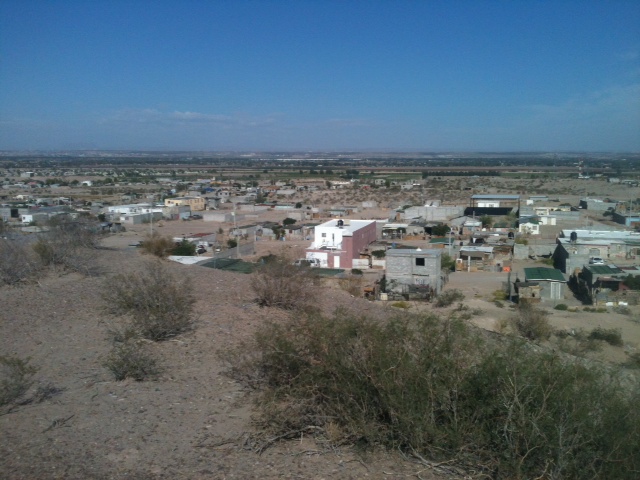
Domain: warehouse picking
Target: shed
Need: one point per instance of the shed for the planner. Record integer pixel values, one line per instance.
(552, 282)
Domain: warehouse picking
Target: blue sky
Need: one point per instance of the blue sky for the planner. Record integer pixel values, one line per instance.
(320, 75)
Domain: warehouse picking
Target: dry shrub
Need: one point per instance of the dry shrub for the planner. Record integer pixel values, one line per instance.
(612, 336)
(278, 283)
(15, 378)
(531, 322)
(158, 245)
(159, 304)
(352, 284)
(431, 387)
(448, 297)
(17, 263)
(67, 244)
(131, 359)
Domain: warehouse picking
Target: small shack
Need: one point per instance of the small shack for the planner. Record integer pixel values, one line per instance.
(551, 281)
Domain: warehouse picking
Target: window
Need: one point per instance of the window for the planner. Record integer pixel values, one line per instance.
(324, 235)
(419, 262)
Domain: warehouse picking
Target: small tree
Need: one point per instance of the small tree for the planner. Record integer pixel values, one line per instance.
(440, 230)
(232, 243)
(487, 221)
(448, 263)
(288, 221)
(185, 248)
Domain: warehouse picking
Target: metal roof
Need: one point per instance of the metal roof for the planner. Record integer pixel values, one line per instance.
(543, 274)
(604, 269)
(495, 197)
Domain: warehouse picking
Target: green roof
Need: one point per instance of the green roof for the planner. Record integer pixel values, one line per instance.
(439, 240)
(543, 274)
(604, 270)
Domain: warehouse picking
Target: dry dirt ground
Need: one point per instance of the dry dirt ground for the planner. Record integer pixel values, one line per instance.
(192, 422)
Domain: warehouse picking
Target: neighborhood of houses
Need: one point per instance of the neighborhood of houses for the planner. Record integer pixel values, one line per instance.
(405, 252)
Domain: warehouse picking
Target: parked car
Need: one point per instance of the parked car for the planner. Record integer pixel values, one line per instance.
(196, 217)
(596, 261)
(303, 262)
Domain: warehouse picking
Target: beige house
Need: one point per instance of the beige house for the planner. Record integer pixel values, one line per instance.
(196, 203)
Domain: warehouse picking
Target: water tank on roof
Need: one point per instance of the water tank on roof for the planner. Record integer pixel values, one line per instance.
(340, 223)
(574, 236)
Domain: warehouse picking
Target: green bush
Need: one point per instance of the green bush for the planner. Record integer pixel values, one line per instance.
(232, 243)
(184, 249)
(561, 306)
(431, 387)
(379, 254)
(15, 378)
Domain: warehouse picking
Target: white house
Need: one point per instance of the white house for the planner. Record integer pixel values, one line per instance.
(338, 242)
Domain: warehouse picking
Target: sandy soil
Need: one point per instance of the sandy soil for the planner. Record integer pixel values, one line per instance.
(192, 422)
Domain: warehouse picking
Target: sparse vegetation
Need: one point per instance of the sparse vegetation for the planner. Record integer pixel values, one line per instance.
(531, 322)
(610, 335)
(158, 245)
(66, 244)
(16, 377)
(431, 388)
(17, 263)
(352, 284)
(448, 297)
(159, 305)
(402, 305)
(561, 307)
(131, 359)
(278, 283)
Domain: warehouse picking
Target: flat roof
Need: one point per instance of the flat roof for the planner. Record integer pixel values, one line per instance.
(413, 251)
(349, 226)
(495, 197)
(604, 269)
(477, 249)
(543, 274)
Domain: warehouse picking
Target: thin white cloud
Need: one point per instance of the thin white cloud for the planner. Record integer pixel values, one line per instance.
(628, 56)
(176, 119)
(617, 101)
(348, 122)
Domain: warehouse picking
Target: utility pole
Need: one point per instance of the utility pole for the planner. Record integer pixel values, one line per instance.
(235, 231)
